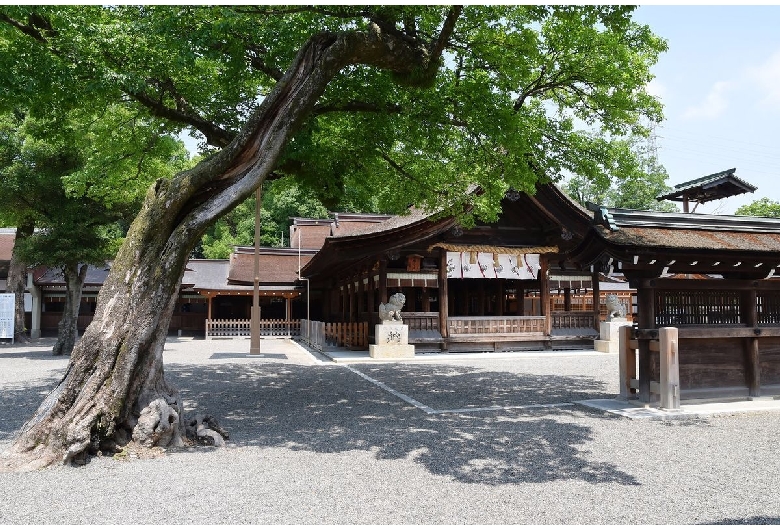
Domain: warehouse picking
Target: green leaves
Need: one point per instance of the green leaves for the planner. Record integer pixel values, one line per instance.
(517, 92)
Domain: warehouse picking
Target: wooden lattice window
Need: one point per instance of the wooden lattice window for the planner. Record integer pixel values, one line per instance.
(768, 307)
(697, 308)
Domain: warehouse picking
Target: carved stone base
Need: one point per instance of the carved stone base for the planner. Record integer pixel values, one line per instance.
(609, 338)
(392, 340)
(391, 351)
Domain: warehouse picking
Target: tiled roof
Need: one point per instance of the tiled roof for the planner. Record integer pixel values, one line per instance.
(694, 239)
(53, 277)
(277, 266)
(389, 223)
(710, 187)
(206, 274)
(7, 237)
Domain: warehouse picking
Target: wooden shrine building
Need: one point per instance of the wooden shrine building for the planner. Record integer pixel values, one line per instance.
(710, 276)
(486, 288)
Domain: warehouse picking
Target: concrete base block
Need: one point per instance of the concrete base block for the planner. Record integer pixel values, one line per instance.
(609, 338)
(391, 351)
(605, 346)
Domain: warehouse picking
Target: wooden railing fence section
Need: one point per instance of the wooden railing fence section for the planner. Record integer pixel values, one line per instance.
(319, 335)
(573, 319)
(241, 328)
(495, 325)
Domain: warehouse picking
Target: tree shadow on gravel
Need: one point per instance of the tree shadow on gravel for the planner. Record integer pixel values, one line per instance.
(754, 520)
(330, 409)
(19, 403)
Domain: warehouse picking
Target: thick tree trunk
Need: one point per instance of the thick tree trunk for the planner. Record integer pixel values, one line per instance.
(115, 388)
(67, 329)
(17, 281)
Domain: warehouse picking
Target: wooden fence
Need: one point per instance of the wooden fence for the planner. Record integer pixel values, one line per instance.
(241, 328)
(573, 319)
(495, 325)
(319, 335)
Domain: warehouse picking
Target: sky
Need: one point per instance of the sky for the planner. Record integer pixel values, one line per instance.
(720, 86)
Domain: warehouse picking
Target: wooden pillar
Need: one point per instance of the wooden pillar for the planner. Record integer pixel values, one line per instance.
(626, 361)
(344, 291)
(646, 317)
(520, 297)
(670, 369)
(544, 293)
(444, 297)
(359, 295)
(426, 300)
(567, 298)
(352, 300)
(209, 298)
(500, 297)
(372, 305)
(382, 281)
(464, 298)
(596, 284)
(481, 298)
(752, 354)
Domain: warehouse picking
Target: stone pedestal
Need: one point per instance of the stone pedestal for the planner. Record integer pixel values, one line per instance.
(392, 341)
(608, 341)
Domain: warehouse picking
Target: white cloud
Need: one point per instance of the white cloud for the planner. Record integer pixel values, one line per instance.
(713, 105)
(767, 77)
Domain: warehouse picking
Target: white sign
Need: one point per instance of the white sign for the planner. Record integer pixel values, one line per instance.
(7, 315)
(485, 265)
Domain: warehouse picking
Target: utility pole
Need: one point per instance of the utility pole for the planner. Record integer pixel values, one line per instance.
(254, 325)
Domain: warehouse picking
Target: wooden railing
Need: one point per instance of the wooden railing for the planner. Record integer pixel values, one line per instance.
(495, 325)
(572, 319)
(319, 335)
(241, 328)
(420, 320)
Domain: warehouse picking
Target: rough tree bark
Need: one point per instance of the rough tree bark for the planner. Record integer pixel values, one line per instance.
(114, 388)
(67, 329)
(17, 281)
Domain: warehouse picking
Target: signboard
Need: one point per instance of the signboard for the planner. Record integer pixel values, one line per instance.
(7, 316)
(487, 265)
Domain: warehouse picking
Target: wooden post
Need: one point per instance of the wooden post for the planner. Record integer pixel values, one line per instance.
(520, 297)
(752, 354)
(254, 342)
(444, 297)
(372, 305)
(382, 281)
(596, 284)
(544, 294)
(567, 298)
(646, 317)
(500, 298)
(481, 298)
(670, 369)
(626, 361)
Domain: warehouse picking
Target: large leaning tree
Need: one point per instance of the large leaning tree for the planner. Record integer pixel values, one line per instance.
(413, 104)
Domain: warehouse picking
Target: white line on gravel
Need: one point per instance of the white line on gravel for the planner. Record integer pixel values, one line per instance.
(430, 410)
(411, 401)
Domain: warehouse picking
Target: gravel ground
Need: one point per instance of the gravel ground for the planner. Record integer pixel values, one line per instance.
(318, 443)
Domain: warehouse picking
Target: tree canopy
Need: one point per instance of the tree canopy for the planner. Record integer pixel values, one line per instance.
(634, 181)
(764, 207)
(394, 104)
(498, 106)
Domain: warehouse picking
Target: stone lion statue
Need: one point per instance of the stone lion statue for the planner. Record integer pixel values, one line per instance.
(392, 309)
(615, 309)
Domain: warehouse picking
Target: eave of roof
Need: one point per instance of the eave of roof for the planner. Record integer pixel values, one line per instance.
(704, 188)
